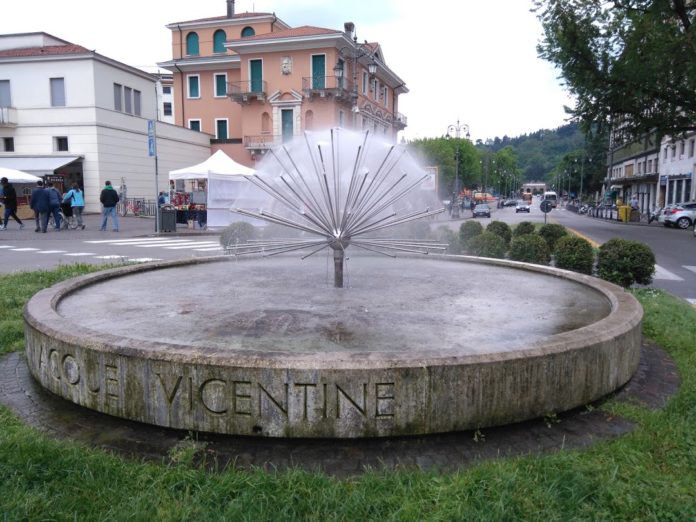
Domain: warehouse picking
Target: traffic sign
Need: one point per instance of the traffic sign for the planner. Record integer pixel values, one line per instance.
(546, 206)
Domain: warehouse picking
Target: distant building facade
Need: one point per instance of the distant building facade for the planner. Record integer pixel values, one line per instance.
(252, 81)
(73, 115)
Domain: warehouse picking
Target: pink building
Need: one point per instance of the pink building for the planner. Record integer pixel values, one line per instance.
(252, 81)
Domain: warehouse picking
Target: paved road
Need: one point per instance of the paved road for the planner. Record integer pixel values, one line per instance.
(675, 250)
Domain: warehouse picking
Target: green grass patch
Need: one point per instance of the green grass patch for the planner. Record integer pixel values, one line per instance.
(649, 474)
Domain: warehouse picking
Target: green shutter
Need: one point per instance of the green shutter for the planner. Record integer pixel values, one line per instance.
(256, 74)
(192, 44)
(318, 71)
(287, 124)
(220, 85)
(219, 41)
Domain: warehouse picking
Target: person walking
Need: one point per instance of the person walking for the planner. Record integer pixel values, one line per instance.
(9, 198)
(40, 205)
(76, 198)
(109, 198)
(54, 198)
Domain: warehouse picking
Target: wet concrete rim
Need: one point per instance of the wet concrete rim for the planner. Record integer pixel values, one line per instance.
(655, 382)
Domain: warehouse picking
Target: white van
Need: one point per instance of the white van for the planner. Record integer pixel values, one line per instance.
(552, 197)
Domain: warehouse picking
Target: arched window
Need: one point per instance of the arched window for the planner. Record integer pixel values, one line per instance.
(265, 123)
(192, 44)
(309, 120)
(219, 41)
(248, 31)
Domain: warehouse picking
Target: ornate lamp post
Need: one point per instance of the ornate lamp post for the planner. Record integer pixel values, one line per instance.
(457, 130)
(354, 53)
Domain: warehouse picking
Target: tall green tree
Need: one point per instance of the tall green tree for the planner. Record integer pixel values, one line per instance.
(442, 152)
(631, 64)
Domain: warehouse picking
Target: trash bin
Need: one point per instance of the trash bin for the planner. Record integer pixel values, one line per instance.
(167, 216)
(624, 213)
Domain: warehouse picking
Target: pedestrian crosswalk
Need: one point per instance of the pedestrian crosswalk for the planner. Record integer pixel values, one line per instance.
(102, 249)
(165, 243)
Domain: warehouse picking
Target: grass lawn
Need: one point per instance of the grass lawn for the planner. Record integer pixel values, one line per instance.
(649, 474)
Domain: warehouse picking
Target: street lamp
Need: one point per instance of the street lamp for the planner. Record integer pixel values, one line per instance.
(354, 53)
(457, 130)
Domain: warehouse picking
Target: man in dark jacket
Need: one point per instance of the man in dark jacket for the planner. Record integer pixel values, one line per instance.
(109, 198)
(40, 206)
(54, 199)
(9, 198)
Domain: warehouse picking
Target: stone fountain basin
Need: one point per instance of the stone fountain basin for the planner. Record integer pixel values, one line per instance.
(268, 347)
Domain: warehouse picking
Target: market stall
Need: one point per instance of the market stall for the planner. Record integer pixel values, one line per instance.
(23, 183)
(213, 188)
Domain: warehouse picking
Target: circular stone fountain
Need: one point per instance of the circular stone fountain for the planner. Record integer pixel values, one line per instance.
(269, 347)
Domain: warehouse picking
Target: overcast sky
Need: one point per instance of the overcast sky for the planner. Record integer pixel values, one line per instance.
(468, 60)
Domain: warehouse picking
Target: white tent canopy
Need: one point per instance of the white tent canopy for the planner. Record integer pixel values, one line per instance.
(17, 176)
(227, 187)
(218, 163)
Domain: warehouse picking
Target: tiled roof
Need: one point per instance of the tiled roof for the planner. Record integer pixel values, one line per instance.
(214, 18)
(51, 50)
(305, 30)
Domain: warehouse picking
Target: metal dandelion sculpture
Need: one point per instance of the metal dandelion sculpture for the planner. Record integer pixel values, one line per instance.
(338, 192)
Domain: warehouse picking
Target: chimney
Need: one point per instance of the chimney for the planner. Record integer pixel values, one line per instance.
(348, 28)
(230, 8)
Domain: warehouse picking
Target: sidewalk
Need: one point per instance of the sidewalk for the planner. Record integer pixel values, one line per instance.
(129, 226)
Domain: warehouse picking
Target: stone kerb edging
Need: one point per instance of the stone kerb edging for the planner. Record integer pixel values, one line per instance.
(329, 394)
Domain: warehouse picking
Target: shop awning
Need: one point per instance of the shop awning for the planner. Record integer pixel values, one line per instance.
(37, 165)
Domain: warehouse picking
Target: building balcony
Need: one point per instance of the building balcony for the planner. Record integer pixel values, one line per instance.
(262, 142)
(247, 91)
(401, 121)
(650, 177)
(8, 117)
(326, 86)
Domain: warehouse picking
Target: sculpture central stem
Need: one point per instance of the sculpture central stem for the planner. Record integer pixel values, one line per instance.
(339, 246)
(339, 255)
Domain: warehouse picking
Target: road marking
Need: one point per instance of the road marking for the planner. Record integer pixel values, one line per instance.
(168, 244)
(665, 275)
(129, 241)
(52, 252)
(209, 249)
(201, 244)
(26, 249)
(691, 268)
(7, 246)
(110, 257)
(80, 254)
(143, 259)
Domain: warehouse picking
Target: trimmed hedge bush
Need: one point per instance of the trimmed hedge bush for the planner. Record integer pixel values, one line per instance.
(574, 253)
(625, 262)
(502, 229)
(468, 230)
(524, 227)
(530, 248)
(552, 233)
(237, 233)
(487, 244)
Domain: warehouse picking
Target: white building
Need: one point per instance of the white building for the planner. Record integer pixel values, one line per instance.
(677, 161)
(75, 115)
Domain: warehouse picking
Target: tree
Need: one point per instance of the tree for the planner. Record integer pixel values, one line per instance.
(443, 153)
(631, 64)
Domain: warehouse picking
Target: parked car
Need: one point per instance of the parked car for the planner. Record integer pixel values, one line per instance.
(522, 206)
(482, 209)
(682, 215)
